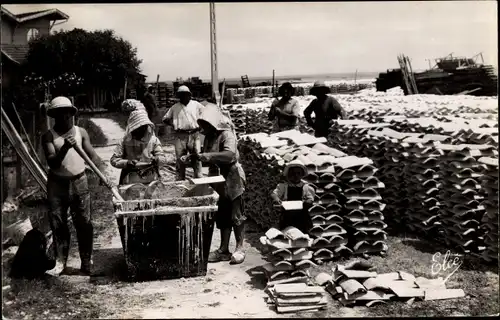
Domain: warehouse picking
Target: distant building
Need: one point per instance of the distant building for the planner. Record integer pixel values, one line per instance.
(18, 30)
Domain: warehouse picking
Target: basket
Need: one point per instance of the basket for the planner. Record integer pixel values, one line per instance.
(167, 237)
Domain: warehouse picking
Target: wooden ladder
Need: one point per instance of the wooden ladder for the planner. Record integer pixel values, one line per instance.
(408, 75)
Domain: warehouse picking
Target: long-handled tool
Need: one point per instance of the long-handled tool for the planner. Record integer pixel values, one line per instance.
(85, 157)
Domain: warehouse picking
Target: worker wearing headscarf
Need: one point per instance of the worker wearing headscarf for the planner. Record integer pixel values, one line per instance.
(325, 109)
(221, 154)
(294, 189)
(183, 117)
(67, 184)
(129, 105)
(286, 111)
(139, 154)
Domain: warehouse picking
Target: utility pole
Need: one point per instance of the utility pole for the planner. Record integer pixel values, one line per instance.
(213, 56)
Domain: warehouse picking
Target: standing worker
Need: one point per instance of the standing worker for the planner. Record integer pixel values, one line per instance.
(286, 111)
(183, 117)
(149, 102)
(139, 154)
(67, 185)
(221, 153)
(325, 109)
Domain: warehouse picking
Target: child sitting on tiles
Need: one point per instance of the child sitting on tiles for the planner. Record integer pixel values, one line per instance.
(294, 189)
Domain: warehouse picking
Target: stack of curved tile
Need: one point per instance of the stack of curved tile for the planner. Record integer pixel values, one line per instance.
(362, 204)
(489, 182)
(328, 232)
(263, 172)
(422, 173)
(462, 194)
(288, 254)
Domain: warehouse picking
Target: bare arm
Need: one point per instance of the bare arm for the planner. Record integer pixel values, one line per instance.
(337, 108)
(89, 150)
(54, 159)
(308, 112)
(278, 193)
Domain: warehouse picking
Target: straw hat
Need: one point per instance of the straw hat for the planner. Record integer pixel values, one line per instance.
(295, 164)
(59, 103)
(138, 118)
(319, 86)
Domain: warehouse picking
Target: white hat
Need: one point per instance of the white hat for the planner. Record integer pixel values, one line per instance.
(58, 103)
(295, 164)
(183, 89)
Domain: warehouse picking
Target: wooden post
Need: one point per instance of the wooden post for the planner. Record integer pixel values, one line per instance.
(125, 89)
(19, 172)
(273, 83)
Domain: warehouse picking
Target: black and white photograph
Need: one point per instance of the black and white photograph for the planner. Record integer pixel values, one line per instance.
(331, 159)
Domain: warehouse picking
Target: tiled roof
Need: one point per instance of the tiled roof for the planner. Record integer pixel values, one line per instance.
(16, 52)
(53, 14)
(26, 14)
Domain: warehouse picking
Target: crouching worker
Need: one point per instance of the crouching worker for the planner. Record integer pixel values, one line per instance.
(139, 154)
(294, 189)
(67, 185)
(221, 154)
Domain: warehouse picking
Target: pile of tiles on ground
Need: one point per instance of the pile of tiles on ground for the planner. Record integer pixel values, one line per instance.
(461, 195)
(489, 182)
(357, 283)
(288, 255)
(296, 297)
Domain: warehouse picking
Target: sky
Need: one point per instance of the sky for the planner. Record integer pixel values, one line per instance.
(293, 38)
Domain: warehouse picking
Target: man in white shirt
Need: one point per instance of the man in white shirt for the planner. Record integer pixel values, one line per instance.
(183, 117)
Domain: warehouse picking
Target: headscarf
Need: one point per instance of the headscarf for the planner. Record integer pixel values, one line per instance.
(129, 105)
(137, 119)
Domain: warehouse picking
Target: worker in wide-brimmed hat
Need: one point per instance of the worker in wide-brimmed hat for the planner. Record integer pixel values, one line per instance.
(325, 109)
(294, 189)
(286, 111)
(183, 117)
(149, 102)
(67, 185)
(220, 152)
(139, 154)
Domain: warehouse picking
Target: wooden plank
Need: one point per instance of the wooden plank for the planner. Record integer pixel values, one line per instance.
(207, 180)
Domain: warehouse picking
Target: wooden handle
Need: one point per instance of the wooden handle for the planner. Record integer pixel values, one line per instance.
(85, 157)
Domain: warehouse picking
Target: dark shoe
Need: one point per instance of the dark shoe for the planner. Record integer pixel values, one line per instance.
(218, 256)
(86, 268)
